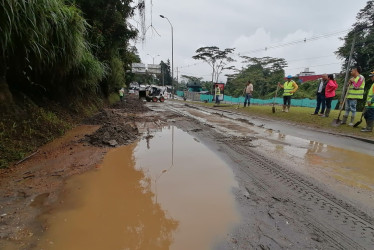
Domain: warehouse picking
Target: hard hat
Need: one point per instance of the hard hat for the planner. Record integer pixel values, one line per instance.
(371, 73)
(289, 76)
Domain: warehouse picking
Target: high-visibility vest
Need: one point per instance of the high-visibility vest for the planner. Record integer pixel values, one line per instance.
(218, 91)
(356, 93)
(370, 97)
(288, 87)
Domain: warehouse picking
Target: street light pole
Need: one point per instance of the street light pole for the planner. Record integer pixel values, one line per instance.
(172, 55)
(153, 58)
(153, 62)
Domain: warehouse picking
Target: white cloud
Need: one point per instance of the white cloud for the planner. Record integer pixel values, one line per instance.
(248, 25)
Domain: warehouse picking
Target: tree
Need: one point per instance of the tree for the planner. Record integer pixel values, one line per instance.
(363, 54)
(192, 79)
(110, 35)
(263, 72)
(165, 76)
(216, 58)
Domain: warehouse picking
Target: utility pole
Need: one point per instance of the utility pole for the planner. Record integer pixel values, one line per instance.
(347, 70)
(172, 54)
(163, 76)
(177, 77)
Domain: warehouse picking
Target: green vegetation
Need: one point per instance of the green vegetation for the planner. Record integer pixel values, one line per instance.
(60, 61)
(364, 46)
(264, 73)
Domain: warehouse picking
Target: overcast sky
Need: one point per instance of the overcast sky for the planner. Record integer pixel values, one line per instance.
(248, 25)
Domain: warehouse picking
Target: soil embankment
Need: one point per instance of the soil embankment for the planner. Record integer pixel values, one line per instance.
(32, 187)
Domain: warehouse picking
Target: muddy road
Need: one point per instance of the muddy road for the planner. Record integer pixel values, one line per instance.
(180, 176)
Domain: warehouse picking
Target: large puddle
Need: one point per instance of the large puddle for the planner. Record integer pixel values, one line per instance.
(166, 192)
(352, 168)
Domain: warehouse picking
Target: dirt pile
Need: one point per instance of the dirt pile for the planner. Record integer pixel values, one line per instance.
(113, 135)
(131, 105)
(118, 124)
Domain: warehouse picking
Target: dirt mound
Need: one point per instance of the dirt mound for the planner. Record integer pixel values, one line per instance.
(131, 105)
(118, 123)
(98, 119)
(113, 135)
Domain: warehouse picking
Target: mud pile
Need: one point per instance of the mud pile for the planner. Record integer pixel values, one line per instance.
(131, 105)
(118, 124)
(113, 135)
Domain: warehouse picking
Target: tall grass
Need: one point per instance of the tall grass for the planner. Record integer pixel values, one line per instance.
(48, 37)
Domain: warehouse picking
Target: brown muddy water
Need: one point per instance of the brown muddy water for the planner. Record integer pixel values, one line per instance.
(351, 168)
(168, 191)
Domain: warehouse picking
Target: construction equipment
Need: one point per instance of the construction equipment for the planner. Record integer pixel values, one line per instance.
(154, 93)
(360, 121)
(275, 96)
(337, 122)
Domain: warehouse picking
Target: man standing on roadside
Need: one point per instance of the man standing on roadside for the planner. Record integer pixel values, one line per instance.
(356, 90)
(217, 93)
(121, 93)
(369, 113)
(290, 88)
(321, 95)
(248, 93)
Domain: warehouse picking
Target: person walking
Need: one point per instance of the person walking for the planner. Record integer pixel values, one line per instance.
(355, 92)
(290, 87)
(121, 93)
(321, 95)
(369, 113)
(248, 93)
(217, 94)
(331, 86)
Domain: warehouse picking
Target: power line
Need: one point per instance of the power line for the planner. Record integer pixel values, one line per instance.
(190, 65)
(309, 58)
(310, 39)
(320, 65)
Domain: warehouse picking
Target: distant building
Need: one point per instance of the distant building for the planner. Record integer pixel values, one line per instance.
(307, 75)
(306, 72)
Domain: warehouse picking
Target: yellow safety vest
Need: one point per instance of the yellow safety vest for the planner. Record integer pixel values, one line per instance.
(356, 93)
(288, 87)
(218, 91)
(370, 97)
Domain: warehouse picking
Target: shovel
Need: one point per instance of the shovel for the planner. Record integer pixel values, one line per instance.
(337, 122)
(359, 122)
(273, 108)
(239, 101)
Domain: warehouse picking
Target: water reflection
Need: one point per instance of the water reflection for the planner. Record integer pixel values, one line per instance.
(112, 208)
(147, 196)
(192, 185)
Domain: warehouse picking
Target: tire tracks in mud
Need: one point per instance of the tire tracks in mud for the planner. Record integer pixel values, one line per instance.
(336, 223)
(332, 219)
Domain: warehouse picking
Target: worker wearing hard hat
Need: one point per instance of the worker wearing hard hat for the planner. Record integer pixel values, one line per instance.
(369, 113)
(290, 87)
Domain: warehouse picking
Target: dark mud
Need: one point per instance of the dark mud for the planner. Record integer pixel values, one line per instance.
(131, 105)
(118, 124)
(113, 134)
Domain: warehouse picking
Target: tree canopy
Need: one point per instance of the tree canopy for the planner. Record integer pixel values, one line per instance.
(263, 72)
(217, 59)
(363, 30)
